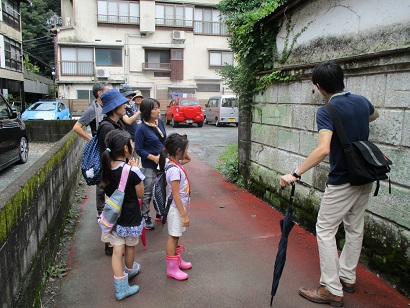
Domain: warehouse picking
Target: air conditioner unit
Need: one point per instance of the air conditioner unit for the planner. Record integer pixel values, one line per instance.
(178, 35)
(102, 73)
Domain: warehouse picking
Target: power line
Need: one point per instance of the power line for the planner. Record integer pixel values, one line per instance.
(38, 38)
(41, 44)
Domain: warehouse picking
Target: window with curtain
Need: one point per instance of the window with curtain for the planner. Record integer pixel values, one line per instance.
(118, 12)
(207, 21)
(11, 13)
(12, 54)
(174, 15)
(108, 57)
(157, 59)
(77, 61)
(220, 58)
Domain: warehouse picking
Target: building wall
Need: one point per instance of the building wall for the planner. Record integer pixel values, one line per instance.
(134, 40)
(281, 130)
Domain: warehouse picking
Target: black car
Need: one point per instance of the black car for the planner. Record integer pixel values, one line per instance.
(13, 137)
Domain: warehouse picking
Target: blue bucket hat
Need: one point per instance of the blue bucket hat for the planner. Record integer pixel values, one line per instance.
(127, 90)
(111, 99)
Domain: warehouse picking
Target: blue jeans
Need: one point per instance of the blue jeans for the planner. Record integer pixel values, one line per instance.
(150, 175)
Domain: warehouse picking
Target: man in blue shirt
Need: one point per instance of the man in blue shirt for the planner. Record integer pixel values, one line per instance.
(341, 201)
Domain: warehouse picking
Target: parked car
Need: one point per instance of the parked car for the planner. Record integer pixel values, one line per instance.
(13, 137)
(184, 110)
(47, 110)
(222, 110)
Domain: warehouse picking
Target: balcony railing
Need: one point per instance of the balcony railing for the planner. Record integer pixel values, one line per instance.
(179, 23)
(115, 19)
(77, 68)
(210, 28)
(159, 67)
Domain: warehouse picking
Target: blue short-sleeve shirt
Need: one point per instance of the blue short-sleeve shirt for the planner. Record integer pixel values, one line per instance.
(354, 112)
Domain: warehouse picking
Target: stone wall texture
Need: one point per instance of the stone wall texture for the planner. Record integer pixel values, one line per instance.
(280, 131)
(33, 212)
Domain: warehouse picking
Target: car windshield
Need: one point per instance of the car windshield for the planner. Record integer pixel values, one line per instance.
(188, 102)
(43, 107)
(230, 102)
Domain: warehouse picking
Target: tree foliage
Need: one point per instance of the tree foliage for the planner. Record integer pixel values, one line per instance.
(252, 41)
(35, 31)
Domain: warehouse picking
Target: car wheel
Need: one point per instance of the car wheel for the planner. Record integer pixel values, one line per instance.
(173, 123)
(23, 152)
(200, 124)
(168, 122)
(217, 123)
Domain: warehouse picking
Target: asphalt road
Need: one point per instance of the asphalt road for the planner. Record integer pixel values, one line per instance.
(208, 142)
(8, 175)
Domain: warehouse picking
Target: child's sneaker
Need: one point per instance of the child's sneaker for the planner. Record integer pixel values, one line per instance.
(158, 217)
(148, 224)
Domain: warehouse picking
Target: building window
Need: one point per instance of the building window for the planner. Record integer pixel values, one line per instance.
(208, 87)
(157, 60)
(11, 15)
(118, 12)
(207, 21)
(85, 94)
(12, 54)
(220, 58)
(77, 61)
(108, 57)
(174, 15)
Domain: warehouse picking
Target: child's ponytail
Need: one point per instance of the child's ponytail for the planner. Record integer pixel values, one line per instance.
(114, 143)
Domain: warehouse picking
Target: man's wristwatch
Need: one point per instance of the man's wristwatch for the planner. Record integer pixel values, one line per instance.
(296, 175)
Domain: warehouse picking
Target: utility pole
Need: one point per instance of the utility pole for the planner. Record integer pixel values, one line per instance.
(55, 20)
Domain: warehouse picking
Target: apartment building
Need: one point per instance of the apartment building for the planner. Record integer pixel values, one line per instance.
(11, 61)
(163, 48)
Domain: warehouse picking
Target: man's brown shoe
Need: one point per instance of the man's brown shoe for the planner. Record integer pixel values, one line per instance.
(348, 287)
(321, 296)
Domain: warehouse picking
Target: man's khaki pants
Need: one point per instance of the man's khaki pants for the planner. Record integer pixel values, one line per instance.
(341, 203)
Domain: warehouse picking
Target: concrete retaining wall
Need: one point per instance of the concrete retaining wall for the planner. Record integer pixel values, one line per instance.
(48, 131)
(32, 218)
(281, 131)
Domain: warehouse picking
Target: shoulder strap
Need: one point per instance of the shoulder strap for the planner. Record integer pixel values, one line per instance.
(124, 177)
(337, 124)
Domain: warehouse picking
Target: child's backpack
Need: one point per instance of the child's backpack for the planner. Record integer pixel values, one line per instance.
(365, 162)
(91, 161)
(113, 204)
(160, 194)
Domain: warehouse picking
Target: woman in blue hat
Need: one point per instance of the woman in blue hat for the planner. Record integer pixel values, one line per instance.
(114, 108)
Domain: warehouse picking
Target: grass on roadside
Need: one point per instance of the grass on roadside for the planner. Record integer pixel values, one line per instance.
(229, 164)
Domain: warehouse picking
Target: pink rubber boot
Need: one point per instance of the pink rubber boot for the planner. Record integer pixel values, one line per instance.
(182, 264)
(173, 270)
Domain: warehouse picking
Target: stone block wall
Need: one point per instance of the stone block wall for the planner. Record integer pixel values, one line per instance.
(280, 132)
(33, 212)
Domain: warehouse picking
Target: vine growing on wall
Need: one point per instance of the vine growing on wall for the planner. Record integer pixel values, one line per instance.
(253, 42)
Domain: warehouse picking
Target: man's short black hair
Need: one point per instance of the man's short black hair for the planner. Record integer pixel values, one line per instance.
(329, 75)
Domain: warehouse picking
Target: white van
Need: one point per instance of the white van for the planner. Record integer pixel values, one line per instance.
(222, 110)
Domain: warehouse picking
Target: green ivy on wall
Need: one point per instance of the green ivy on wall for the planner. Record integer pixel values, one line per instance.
(254, 43)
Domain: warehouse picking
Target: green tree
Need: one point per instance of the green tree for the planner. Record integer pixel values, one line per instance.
(35, 30)
(253, 43)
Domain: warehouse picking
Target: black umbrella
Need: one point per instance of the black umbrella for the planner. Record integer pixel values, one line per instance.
(286, 226)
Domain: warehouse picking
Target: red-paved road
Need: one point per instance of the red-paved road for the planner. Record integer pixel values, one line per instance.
(232, 243)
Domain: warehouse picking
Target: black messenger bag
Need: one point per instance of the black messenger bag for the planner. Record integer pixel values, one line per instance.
(365, 161)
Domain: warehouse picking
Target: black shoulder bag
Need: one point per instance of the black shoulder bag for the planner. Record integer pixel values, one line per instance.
(365, 162)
